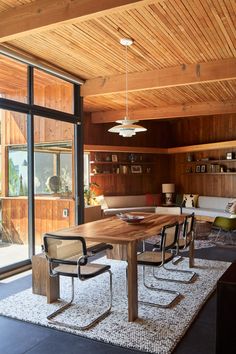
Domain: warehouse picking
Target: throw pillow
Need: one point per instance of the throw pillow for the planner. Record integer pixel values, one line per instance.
(153, 200)
(232, 209)
(190, 200)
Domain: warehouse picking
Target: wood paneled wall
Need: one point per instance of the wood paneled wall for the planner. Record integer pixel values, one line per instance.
(48, 217)
(135, 183)
(200, 130)
(223, 185)
(157, 134)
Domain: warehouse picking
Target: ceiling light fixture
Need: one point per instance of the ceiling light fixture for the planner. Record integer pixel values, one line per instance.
(126, 127)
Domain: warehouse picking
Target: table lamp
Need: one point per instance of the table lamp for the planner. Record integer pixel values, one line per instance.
(168, 189)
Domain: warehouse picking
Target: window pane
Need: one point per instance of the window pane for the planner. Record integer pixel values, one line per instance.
(66, 172)
(13, 79)
(86, 169)
(14, 189)
(44, 163)
(17, 172)
(52, 92)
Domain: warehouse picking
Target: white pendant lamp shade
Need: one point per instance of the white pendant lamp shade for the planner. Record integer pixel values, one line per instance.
(126, 127)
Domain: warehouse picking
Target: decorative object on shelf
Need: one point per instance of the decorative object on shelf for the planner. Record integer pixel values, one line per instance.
(203, 168)
(126, 127)
(229, 155)
(148, 170)
(132, 158)
(188, 169)
(124, 169)
(189, 157)
(136, 169)
(168, 189)
(114, 158)
(198, 169)
(53, 184)
(108, 158)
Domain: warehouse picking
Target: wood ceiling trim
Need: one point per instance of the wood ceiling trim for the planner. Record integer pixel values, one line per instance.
(175, 150)
(202, 147)
(133, 149)
(169, 77)
(46, 14)
(168, 112)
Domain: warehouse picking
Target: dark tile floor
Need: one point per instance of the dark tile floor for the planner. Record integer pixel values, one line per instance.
(17, 337)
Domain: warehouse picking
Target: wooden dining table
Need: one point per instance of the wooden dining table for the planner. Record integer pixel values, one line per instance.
(116, 231)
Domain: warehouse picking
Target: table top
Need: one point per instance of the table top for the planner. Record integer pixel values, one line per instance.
(116, 231)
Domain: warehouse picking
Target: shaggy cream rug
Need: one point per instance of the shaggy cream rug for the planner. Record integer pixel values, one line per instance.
(157, 330)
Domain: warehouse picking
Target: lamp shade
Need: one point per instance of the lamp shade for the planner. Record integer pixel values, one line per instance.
(168, 188)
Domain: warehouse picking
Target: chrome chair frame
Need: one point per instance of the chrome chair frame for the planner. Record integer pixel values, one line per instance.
(79, 263)
(163, 248)
(187, 243)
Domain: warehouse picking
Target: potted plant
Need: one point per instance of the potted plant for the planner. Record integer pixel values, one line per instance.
(90, 193)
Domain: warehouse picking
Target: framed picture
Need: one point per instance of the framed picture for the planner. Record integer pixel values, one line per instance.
(229, 155)
(203, 168)
(136, 169)
(114, 158)
(198, 169)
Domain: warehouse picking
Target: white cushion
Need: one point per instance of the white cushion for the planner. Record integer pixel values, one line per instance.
(123, 201)
(213, 202)
(114, 211)
(166, 210)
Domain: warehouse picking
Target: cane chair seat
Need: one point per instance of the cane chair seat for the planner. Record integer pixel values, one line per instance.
(90, 270)
(153, 258)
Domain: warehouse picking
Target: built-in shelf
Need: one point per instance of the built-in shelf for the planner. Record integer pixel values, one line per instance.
(209, 161)
(210, 173)
(120, 174)
(121, 163)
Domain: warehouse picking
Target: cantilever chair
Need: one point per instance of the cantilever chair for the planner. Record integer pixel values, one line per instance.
(182, 243)
(68, 256)
(227, 225)
(160, 255)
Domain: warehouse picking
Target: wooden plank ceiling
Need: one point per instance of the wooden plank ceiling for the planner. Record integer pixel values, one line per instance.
(169, 36)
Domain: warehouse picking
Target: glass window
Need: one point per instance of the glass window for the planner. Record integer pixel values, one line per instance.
(86, 169)
(13, 79)
(17, 172)
(52, 92)
(44, 163)
(53, 169)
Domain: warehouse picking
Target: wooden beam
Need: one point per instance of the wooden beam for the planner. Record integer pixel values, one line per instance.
(46, 14)
(168, 112)
(202, 147)
(133, 149)
(158, 79)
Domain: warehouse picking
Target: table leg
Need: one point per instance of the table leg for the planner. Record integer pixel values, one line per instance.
(191, 253)
(52, 288)
(132, 282)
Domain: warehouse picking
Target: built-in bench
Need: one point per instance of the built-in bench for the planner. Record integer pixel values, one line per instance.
(113, 205)
(209, 207)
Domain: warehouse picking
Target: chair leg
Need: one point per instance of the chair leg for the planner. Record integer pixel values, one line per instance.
(178, 271)
(176, 293)
(51, 317)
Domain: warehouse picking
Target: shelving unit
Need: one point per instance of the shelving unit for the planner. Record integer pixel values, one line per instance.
(210, 167)
(120, 164)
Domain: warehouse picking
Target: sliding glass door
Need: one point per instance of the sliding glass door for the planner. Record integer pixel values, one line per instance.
(53, 176)
(14, 189)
